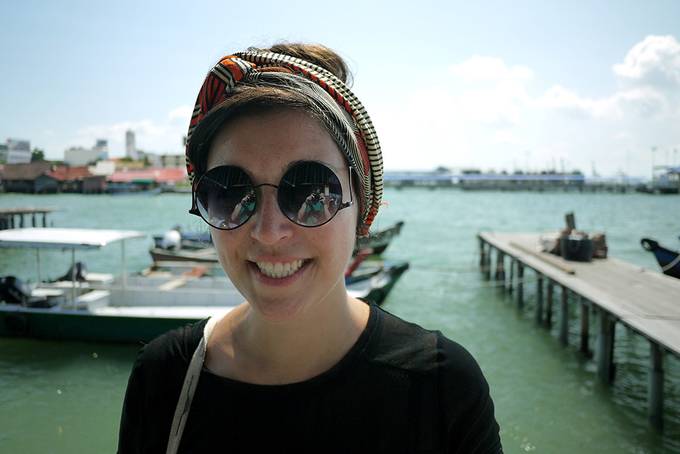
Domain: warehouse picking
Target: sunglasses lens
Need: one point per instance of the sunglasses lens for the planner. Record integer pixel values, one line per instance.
(225, 197)
(309, 194)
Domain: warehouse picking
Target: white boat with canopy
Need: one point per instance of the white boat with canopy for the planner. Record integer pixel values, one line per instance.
(95, 306)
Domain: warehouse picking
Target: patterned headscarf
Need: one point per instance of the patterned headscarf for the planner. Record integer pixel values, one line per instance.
(362, 149)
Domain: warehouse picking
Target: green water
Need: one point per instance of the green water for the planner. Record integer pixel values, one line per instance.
(65, 397)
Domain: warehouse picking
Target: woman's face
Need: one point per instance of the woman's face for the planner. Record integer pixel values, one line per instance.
(269, 244)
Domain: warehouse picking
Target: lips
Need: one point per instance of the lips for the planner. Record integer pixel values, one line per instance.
(279, 270)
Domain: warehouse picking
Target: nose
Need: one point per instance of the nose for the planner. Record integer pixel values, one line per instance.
(271, 226)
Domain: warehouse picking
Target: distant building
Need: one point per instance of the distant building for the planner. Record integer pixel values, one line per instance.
(79, 156)
(3, 153)
(32, 178)
(130, 146)
(77, 179)
(105, 168)
(18, 151)
(172, 160)
(102, 148)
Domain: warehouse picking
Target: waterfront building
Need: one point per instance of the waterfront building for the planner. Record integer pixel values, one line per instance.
(3, 153)
(144, 179)
(172, 160)
(32, 177)
(77, 179)
(104, 168)
(18, 151)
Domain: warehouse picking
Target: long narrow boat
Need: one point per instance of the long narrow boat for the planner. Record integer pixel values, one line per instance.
(130, 307)
(668, 260)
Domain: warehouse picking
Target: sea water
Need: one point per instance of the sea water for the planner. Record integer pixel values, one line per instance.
(65, 397)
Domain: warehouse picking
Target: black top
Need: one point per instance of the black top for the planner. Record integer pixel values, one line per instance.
(400, 389)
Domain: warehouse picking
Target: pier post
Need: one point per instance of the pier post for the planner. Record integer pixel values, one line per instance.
(585, 327)
(32, 219)
(549, 301)
(539, 297)
(500, 268)
(21, 221)
(487, 265)
(655, 393)
(11, 221)
(605, 348)
(564, 316)
(520, 285)
(512, 273)
(44, 219)
(482, 257)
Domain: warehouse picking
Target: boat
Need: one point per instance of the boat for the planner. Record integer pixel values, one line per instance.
(131, 307)
(178, 245)
(378, 241)
(668, 260)
(101, 307)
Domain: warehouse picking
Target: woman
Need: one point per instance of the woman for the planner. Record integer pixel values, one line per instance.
(300, 366)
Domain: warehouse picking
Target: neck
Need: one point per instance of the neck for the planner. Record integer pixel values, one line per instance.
(266, 352)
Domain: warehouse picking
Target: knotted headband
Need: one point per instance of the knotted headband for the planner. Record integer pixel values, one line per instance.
(363, 153)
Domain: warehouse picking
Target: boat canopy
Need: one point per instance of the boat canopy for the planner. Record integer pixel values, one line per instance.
(64, 238)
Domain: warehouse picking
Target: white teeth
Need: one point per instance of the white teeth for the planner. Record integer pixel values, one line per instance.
(279, 270)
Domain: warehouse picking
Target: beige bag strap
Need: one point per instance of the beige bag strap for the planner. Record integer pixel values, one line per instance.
(188, 389)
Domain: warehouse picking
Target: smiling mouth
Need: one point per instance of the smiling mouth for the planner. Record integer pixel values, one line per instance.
(280, 270)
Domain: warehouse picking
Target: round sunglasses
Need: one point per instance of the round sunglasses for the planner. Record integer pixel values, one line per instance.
(309, 194)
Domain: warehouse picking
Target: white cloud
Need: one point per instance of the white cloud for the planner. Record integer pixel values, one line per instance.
(653, 61)
(490, 113)
(480, 68)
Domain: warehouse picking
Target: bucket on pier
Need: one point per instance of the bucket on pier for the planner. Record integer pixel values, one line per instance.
(576, 247)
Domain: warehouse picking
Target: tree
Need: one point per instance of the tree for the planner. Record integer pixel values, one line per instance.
(37, 155)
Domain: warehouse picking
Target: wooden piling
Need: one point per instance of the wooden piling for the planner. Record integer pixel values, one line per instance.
(539, 297)
(605, 348)
(564, 316)
(500, 268)
(549, 303)
(512, 273)
(484, 259)
(520, 285)
(655, 390)
(585, 328)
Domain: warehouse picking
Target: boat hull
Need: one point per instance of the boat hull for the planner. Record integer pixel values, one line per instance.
(82, 326)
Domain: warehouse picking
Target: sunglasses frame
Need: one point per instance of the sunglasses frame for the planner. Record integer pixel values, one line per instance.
(194, 198)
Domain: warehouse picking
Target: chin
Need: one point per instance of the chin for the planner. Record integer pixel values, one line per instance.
(278, 310)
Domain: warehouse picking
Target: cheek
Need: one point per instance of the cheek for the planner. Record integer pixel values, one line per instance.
(224, 245)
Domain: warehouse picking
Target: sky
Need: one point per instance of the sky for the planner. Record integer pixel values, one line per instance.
(530, 85)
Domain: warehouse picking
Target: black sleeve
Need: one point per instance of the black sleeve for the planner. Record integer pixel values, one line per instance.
(153, 390)
(471, 427)
(132, 428)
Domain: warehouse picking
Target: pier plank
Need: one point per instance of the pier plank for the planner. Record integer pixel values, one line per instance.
(645, 300)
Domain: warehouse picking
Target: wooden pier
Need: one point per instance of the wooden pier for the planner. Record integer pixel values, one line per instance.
(13, 218)
(612, 290)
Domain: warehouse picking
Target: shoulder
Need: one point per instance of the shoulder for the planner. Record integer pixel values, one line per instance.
(400, 344)
(407, 345)
(170, 351)
(450, 380)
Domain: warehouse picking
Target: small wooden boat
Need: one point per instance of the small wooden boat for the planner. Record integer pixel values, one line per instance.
(378, 241)
(669, 260)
